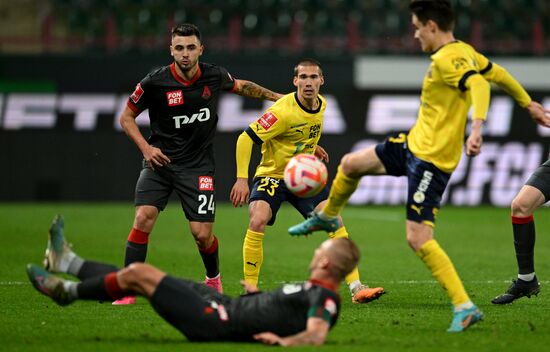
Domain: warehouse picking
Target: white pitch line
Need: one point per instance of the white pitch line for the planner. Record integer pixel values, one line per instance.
(391, 282)
(422, 282)
(427, 282)
(375, 215)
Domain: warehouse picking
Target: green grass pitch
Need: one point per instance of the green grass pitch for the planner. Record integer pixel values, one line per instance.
(412, 316)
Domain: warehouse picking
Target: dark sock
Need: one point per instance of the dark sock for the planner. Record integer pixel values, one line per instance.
(100, 288)
(90, 269)
(524, 243)
(135, 252)
(136, 247)
(211, 260)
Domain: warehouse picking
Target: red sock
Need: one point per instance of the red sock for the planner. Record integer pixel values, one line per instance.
(138, 236)
(112, 287)
(213, 247)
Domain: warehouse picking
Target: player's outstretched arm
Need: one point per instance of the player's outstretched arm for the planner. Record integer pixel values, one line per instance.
(510, 85)
(315, 334)
(253, 90)
(539, 114)
(240, 192)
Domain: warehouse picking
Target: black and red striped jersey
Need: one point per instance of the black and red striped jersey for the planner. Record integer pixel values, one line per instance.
(284, 311)
(182, 114)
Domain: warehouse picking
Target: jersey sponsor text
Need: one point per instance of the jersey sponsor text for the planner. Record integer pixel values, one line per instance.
(206, 183)
(201, 116)
(174, 98)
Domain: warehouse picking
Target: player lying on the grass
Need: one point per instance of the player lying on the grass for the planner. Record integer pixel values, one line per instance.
(295, 314)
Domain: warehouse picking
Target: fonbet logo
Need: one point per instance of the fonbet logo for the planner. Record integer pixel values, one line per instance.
(206, 183)
(201, 116)
(174, 98)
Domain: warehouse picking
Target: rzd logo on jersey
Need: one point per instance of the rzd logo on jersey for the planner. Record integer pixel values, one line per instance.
(201, 116)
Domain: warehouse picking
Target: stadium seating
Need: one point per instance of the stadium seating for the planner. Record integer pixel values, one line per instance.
(322, 27)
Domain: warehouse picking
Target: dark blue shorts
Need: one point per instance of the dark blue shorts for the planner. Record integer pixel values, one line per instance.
(426, 183)
(274, 191)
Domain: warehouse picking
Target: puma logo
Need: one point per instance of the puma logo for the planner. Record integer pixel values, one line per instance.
(417, 209)
(253, 264)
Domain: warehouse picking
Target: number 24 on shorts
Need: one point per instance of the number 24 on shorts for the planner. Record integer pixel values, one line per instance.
(207, 204)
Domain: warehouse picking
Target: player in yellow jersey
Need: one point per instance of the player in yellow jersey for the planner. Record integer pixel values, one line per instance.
(457, 78)
(291, 126)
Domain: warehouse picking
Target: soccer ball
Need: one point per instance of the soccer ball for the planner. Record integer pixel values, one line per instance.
(305, 175)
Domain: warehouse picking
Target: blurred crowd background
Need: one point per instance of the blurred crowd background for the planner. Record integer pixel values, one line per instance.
(264, 27)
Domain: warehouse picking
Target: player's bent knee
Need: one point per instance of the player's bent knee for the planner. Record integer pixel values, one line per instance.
(128, 276)
(134, 271)
(520, 207)
(418, 234)
(257, 224)
(203, 239)
(145, 217)
(140, 278)
(346, 165)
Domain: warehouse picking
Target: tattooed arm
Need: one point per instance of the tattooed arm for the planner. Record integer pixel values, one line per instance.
(253, 90)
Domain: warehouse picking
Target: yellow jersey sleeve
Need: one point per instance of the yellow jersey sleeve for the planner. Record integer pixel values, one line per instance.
(268, 126)
(480, 93)
(243, 153)
(500, 76)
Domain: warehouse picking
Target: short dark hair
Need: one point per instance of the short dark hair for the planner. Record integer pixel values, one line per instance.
(439, 11)
(186, 30)
(308, 62)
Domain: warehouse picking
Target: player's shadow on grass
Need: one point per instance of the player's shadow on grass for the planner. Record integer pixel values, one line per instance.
(142, 340)
(145, 339)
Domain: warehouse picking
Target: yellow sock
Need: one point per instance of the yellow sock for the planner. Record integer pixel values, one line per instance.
(253, 256)
(342, 188)
(352, 277)
(444, 271)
